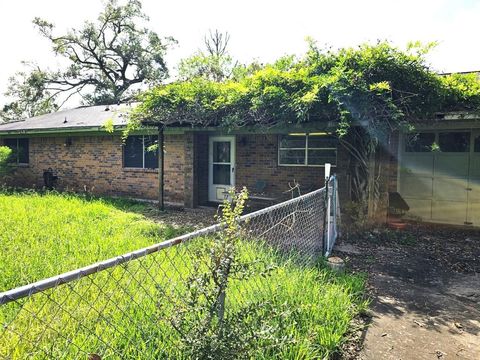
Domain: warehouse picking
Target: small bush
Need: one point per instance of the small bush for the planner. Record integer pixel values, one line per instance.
(5, 154)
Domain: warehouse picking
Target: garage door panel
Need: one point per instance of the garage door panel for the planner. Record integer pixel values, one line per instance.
(416, 186)
(475, 167)
(474, 213)
(451, 212)
(450, 189)
(419, 208)
(436, 183)
(453, 165)
(421, 164)
(474, 193)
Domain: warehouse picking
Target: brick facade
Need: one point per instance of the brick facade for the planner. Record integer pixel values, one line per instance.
(94, 163)
(257, 159)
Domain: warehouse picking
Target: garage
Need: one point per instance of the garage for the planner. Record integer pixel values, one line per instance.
(439, 175)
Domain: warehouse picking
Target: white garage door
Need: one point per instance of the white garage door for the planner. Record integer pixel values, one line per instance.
(440, 176)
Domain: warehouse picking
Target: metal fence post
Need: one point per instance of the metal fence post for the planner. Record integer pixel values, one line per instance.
(329, 217)
(325, 237)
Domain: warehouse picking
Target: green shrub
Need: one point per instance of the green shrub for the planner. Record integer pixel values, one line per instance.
(5, 153)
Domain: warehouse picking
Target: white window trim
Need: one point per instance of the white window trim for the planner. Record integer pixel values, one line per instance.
(306, 148)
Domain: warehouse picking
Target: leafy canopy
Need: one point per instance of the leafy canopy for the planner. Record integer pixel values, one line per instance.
(377, 85)
(214, 63)
(32, 98)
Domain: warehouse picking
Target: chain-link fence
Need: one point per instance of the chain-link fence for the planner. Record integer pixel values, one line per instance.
(150, 303)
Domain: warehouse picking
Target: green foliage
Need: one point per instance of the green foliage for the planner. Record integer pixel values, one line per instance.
(205, 331)
(5, 153)
(379, 86)
(30, 93)
(213, 64)
(202, 65)
(108, 126)
(461, 91)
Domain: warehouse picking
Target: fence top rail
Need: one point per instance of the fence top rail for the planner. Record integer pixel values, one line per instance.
(70, 276)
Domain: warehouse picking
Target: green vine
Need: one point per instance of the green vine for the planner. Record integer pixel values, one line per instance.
(379, 86)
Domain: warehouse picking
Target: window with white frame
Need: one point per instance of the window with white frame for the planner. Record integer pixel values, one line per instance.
(137, 152)
(313, 149)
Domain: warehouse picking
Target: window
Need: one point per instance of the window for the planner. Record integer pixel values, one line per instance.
(221, 162)
(307, 150)
(454, 141)
(137, 155)
(20, 150)
(476, 146)
(421, 142)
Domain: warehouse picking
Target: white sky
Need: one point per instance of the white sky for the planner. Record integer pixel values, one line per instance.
(260, 29)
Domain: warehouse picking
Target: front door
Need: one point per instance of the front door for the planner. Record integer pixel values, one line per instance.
(221, 167)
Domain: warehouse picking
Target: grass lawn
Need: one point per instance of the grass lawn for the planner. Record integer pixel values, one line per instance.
(124, 312)
(45, 235)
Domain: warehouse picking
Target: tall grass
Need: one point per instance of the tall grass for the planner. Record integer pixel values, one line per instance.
(42, 235)
(124, 312)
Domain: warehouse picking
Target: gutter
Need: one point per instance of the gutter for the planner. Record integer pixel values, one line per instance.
(93, 130)
(118, 129)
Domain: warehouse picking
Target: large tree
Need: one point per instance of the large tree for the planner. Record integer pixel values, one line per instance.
(213, 63)
(30, 95)
(109, 60)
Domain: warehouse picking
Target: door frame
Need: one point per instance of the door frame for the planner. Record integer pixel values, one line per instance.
(212, 189)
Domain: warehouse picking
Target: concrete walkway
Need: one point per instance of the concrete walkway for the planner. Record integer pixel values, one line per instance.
(421, 308)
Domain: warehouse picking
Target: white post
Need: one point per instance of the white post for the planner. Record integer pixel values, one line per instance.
(329, 196)
(328, 166)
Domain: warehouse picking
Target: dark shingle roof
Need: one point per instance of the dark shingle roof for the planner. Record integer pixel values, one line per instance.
(74, 119)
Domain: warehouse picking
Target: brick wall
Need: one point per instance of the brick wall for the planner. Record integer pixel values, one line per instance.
(257, 159)
(94, 163)
(190, 170)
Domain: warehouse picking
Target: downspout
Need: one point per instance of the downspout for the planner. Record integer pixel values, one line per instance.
(161, 163)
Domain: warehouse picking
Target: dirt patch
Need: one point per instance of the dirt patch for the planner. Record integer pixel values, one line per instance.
(425, 288)
(191, 219)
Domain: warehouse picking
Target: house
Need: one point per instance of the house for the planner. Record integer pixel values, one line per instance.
(436, 170)
(200, 164)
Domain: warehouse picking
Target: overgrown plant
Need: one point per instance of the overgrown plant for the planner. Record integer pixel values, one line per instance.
(363, 93)
(5, 154)
(200, 318)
